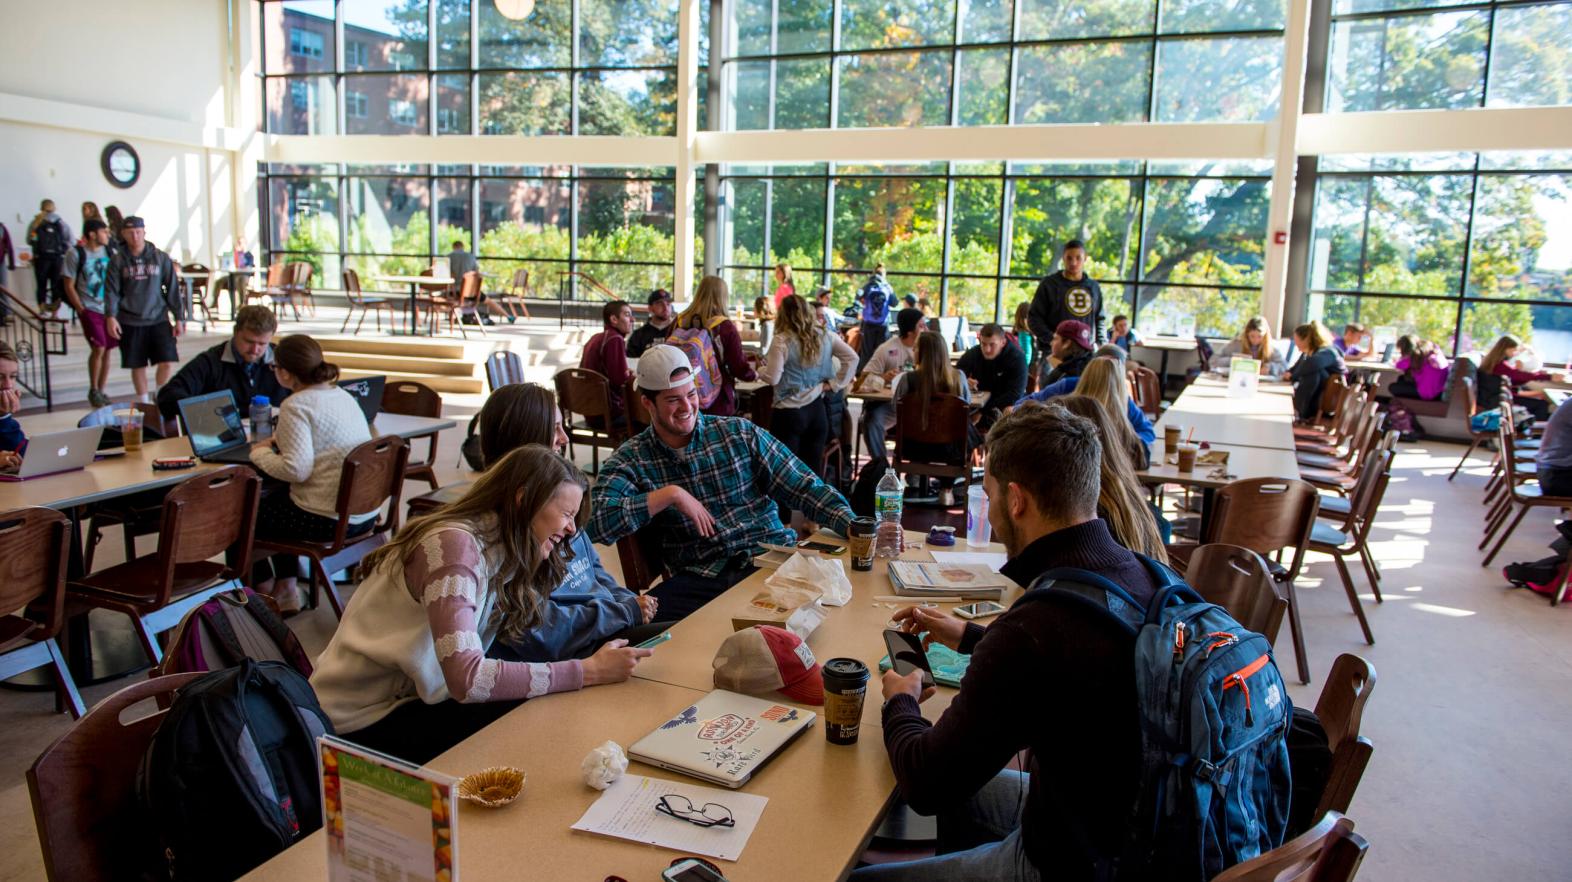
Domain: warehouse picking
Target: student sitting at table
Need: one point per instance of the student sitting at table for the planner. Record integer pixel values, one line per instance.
(1104, 382)
(765, 313)
(709, 486)
(406, 672)
(1424, 370)
(1309, 374)
(707, 312)
(893, 357)
(242, 364)
(1071, 807)
(318, 425)
(1498, 378)
(1355, 343)
(606, 353)
(932, 375)
(1122, 335)
(588, 607)
(1021, 335)
(1134, 522)
(1254, 341)
(1138, 421)
(13, 441)
(996, 366)
(805, 361)
(1069, 350)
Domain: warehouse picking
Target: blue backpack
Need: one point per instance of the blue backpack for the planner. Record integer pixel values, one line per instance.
(1214, 715)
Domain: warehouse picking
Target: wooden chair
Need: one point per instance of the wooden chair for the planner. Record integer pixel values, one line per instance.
(1340, 707)
(588, 394)
(1328, 852)
(1148, 390)
(1333, 395)
(942, 444)
(204, 516)
(1519, 492)
(410, 398)
(200, 275)
(426, 503)
(91, 824)
(1344, 426)
(1353, 535)
(512, 297)
(761, 409)
(299, 288)
(1240, 581)
(133, 519)
(642, 562)
(280, 277)
(358, 301)
(1268, 515)
(373, 476)
(1342, 457)
(33, 545)
(638, 409)
(504, 367)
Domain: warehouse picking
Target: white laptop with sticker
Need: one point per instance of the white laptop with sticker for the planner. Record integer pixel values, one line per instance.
(723, 738)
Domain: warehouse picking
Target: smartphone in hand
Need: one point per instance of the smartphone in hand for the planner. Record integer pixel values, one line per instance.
(907, 655)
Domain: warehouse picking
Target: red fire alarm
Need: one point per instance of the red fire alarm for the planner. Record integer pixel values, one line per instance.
(1280, 238)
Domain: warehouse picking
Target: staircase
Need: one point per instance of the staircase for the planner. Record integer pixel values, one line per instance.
(457, 366)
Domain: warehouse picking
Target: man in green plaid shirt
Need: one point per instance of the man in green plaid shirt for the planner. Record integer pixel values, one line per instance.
(708, 484)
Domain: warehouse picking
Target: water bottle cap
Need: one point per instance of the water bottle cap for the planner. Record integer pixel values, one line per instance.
(261, 399)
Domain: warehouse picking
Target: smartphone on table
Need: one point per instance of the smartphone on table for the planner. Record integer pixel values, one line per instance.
(907, 655)
(982, 609)
(822, 547)
(692, 870)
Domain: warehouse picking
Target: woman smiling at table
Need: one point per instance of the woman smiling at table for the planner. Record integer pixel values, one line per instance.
(406, 673)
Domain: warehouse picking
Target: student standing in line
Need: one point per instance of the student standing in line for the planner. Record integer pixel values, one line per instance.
(805, 361)
(606, 353)
(1425, 370)
(1310, 373)
(1254, 341)
(878, 298)
(656, 327)
(708, 486)
(406, 672)
(1067, 295)
(784, 286)
(708, 312)
(141, 297)
(90, 213)
(7, 264)
(82, 279)
(49, 237)
(13, 441)
(318, 425)
(116, 221)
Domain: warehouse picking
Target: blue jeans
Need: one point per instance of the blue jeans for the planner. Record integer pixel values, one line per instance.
(877, 419)
(992, 816)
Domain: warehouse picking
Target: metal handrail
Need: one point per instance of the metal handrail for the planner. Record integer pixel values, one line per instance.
(34, 337)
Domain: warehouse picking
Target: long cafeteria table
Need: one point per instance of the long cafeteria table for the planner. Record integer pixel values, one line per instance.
(825, 801)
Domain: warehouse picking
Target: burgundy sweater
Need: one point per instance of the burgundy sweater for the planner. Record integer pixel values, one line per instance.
(1053, 676)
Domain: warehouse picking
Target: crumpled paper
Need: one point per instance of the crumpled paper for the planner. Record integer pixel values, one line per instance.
(822, 574)
(604, 765)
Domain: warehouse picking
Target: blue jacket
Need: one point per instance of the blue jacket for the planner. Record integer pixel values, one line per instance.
(586, 610)
(12, 438)
(1138, 421)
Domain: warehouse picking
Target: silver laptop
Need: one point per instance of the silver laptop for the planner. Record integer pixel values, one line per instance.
(724, 737)
(56, 452)
(214, 428)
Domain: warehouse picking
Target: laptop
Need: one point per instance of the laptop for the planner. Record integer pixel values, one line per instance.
(56, 452)
(723, 738)
(367, 392)
(213, 424)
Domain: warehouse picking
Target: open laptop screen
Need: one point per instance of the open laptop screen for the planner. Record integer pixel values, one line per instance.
(212, 422)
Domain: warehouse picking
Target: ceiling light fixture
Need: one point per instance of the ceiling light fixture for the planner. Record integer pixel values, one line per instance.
(518, 10)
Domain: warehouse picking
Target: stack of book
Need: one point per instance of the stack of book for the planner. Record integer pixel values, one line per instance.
(969, 581)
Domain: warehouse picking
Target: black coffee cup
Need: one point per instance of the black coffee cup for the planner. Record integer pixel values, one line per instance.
(845, 687)
(860, 538)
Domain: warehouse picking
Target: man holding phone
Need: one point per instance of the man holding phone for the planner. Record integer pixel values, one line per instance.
(1052, 675)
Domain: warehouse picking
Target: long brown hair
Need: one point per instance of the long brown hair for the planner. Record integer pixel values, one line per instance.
(1103, 380)
(931, 372)
(1498, 353)
(709, 302)
(1023, 312)
(1120, 500)
(497, 511)
(1315, 335)
(797, 322)
(515, 415)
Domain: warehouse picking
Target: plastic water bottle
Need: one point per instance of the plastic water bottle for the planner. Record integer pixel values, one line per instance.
(978, 530)
(889, 499)
(261, 417)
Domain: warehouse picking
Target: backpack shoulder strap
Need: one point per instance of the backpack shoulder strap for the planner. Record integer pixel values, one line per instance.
(1094, 591)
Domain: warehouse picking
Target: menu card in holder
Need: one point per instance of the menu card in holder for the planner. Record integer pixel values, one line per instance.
(385, 818)
(1243, 375)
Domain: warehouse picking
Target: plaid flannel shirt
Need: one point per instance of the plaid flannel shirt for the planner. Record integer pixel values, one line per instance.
(736, 469)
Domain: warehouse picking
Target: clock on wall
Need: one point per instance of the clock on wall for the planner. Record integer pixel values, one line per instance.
(121, 164)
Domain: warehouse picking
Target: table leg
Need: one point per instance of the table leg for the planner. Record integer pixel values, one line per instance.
(1208, 497)
(1164, 371)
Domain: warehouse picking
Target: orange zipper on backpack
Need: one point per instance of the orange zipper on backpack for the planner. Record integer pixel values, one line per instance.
(1238, 678)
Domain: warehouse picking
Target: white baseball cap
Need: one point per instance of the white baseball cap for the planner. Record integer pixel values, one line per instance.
(658, 364)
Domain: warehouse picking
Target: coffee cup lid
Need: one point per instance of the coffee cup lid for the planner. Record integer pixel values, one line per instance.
(844, 669)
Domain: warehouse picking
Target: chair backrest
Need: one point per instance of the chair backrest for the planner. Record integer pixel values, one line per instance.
(1328, 852)
(277, 274)
(1333, 392)
(1148, 389)
(33, 566)
(83, 788)
(153, 417)
(373, 475)
(638, 409)
(584, 392)
(947, 421)
(1240, 581)
(1340, 708)
(1265, 515)
(302, 276)
(469, 288)
(502, 368)
(410, 398)
(1374, 473)
(639, 554)
(352, 286)
(520, 283)
(204, 516)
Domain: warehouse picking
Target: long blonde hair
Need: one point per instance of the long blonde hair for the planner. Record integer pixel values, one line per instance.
(1315, 335)
(786, 279)
(1120, 500)
(931, 372)
(797, 322)
(1261, 353)
(497, 511)
(1103, 380)
(1498, 353)
(709, 302)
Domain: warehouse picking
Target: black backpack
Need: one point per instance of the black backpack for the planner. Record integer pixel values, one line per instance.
(230, 778)
(50, 238)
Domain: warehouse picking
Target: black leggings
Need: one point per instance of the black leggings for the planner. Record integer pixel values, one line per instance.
(804, 430)
(417, 732)
(278, 517)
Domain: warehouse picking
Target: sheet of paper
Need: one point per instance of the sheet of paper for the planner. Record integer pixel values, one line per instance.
(994, 560)
(627, 811)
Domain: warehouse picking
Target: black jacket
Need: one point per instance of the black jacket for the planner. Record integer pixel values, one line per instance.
(1058, 299)
(1003, 378)
(1070, 367)
(216, 369)
(645, 336)
(1309, 375)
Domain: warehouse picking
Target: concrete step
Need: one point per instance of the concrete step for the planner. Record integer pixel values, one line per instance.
(437, 367)
(397, 346)
(461, 385)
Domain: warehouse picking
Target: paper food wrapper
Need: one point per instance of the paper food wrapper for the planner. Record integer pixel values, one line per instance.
(794, 596)
(822, 574)
(871, 383)
(603, 765)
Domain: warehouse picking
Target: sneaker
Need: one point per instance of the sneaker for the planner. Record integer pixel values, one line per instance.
(487, 321)
(96, 398)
